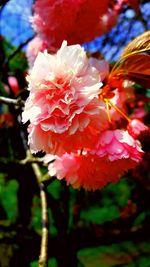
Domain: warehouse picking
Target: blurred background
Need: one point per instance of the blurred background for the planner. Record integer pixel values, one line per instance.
(105, 228)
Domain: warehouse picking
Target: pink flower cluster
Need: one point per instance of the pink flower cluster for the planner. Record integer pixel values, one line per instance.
(70, 119)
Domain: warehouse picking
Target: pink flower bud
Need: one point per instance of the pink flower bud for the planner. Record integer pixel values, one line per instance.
(136, 127)
(13, 84)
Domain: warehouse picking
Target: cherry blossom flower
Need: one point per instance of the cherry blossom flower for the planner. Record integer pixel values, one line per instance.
(80, 21)
(83, 132)
(115, 153)
(63, 105)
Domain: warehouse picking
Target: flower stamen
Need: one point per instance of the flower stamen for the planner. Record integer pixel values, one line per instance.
(117, 109)
(107, 109)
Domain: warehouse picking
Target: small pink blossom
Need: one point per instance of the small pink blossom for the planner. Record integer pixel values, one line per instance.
(35, 46)
(63, 106)
(136, 127)
(115, 153)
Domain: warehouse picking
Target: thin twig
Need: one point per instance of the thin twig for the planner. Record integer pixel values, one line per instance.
(10, 101)
(30, 160)
(23, 161)
(44, 240)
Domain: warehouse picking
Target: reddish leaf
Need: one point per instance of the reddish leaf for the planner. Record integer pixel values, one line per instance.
(138, 45)
(135, 67)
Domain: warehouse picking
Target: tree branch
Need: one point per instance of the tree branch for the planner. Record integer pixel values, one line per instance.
(10, 101)
(44, 240)
(30, 160)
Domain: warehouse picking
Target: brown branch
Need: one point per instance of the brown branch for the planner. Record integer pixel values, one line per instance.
(30, 160)
(44, 242)
(23, 161)
(10, 101)
(43, 258)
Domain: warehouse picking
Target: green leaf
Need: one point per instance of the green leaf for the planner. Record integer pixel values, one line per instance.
(140, 218)
(8, 197)
(2, 90)
(18, 61)
(123, 254)
(52, 228)
(52, 262)
(107, 207)
(118, 193)
(34, 264)
(100, 215)
(54, 189)
(144, 262)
